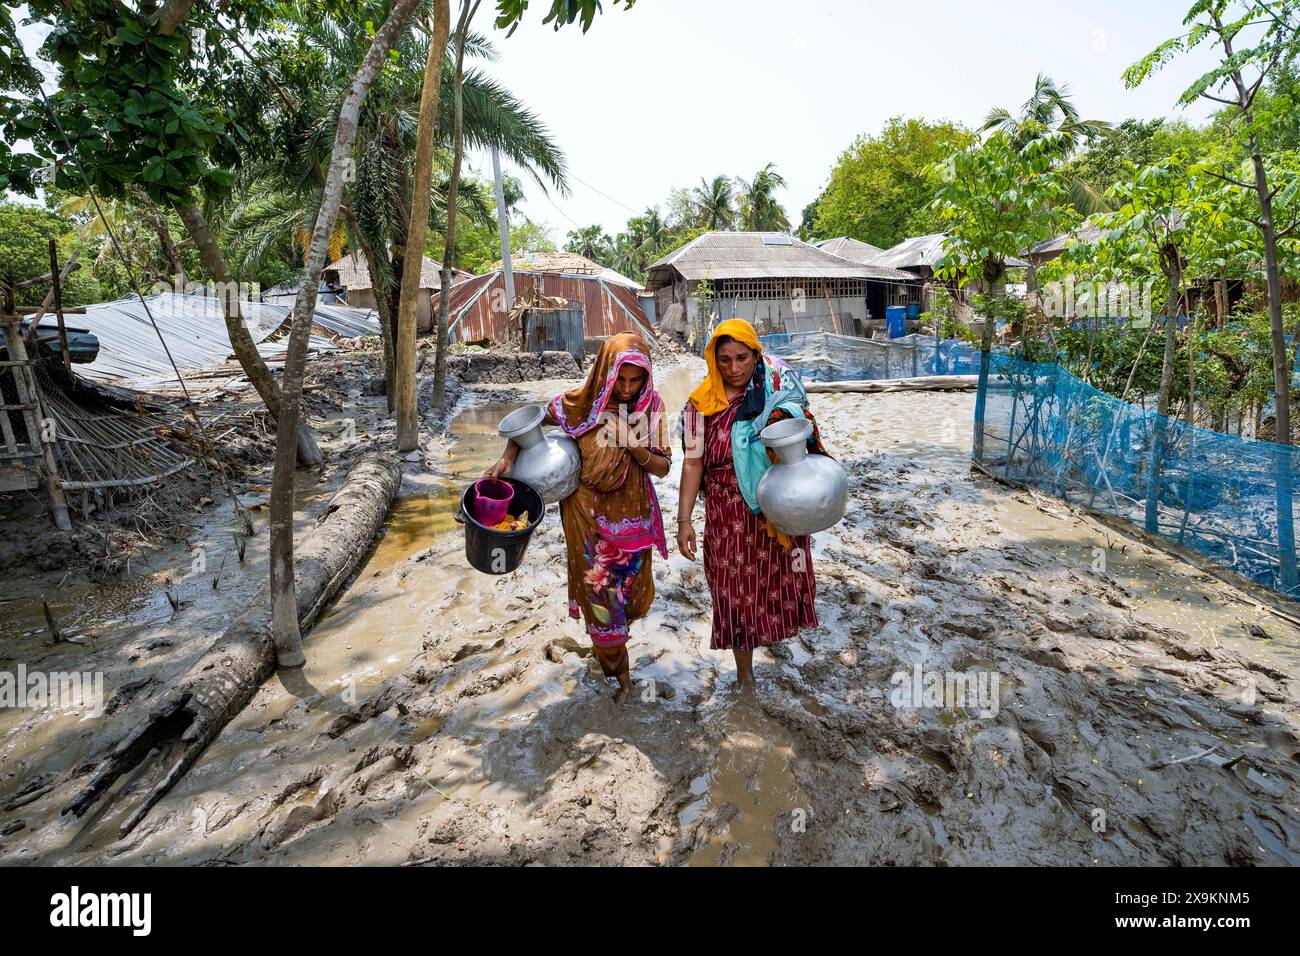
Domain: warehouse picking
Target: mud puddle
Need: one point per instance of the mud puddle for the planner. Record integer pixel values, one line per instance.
(748, 793)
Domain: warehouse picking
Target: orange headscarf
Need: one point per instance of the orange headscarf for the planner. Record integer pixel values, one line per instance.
(710, 396)
(579, 409)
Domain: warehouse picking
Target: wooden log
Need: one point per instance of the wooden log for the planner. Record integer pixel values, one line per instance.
(223, 681)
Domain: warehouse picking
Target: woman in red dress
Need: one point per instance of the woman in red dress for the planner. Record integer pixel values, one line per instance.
(761, 580)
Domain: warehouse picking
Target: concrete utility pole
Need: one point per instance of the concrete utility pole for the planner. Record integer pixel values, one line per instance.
(503, 223)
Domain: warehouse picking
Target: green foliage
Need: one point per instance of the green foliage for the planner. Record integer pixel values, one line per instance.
(879, 191)
(715, 203)
(1234, 371)
(25, 232)
(1133, 145)
(758, 209)
(995, 200)
(167, 113)
(510, 13)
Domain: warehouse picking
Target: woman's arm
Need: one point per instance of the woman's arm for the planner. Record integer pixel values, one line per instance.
(692, 474)
(653, 462)
(505, 463)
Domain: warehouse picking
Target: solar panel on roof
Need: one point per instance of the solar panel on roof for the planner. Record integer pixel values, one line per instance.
(776, 240)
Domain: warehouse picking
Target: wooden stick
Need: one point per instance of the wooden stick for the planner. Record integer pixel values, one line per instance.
(57, 291)
(26, 382)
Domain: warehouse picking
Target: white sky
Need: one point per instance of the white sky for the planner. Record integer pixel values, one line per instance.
(678, 89)
(674, 90)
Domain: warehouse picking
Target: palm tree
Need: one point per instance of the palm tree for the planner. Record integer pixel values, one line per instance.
(1050, 111)
(589, 241)
(376, 205)
(716, 201)
(759, 210)
(276, 198)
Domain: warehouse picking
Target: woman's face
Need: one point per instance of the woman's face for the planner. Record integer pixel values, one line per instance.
(736, 363)
(628, 384)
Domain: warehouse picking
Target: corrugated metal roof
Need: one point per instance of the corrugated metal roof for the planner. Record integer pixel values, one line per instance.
(846, 247)
(569, 263)
(920, 252)
(745, 255)
(345, 322)
(476, 307)
(1050, 248)
(864, 253)
(194, 328)
(353, 272)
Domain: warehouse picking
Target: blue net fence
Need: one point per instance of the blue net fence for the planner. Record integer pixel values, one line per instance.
(827, 357)
(1217, 494)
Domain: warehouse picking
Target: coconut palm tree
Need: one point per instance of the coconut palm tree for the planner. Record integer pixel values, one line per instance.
(759, 210)
(716, 201)
(589, 241)
(277, 199)
(1051, 111)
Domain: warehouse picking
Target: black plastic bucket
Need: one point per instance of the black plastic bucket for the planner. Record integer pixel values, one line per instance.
(500, 552)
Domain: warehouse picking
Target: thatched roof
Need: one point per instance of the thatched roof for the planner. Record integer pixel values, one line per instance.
(759, 255)
(567, 263)
(353, 272)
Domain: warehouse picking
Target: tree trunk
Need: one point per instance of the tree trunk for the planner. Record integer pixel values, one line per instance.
(407, 418)
(453, 189)
(1283, 477)
(166, 245)
(245, 349)
(993, 272)
(383, 306)
(284, 606)
(1172, 265)
(223, 681)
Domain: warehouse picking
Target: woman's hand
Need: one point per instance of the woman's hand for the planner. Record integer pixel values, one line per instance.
(505, 463)
(686, 540)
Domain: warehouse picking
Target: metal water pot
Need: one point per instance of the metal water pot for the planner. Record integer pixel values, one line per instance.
(801, 493)
(550, 463)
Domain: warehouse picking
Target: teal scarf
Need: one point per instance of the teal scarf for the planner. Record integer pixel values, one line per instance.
(781, 390)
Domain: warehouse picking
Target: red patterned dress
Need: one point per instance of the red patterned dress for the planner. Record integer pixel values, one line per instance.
(762, 593)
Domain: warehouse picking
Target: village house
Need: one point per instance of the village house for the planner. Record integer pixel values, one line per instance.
(777, 282)
(349, 278)
(575, 305)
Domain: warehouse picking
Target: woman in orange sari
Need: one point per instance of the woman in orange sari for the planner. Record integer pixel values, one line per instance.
(612, 521)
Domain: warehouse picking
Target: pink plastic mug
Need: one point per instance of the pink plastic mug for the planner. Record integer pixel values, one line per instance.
(491, 500)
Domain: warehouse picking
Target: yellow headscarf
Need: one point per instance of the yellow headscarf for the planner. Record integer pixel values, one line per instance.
(710, 396)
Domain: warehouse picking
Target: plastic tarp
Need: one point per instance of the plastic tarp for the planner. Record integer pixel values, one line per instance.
(827, 357)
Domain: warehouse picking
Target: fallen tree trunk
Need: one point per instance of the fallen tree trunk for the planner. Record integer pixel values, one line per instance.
(224, 680)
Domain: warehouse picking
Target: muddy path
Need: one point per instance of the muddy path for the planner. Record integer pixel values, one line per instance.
(448, 716)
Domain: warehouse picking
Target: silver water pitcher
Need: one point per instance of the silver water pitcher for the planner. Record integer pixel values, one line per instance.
(550, 463)
(801, 493)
